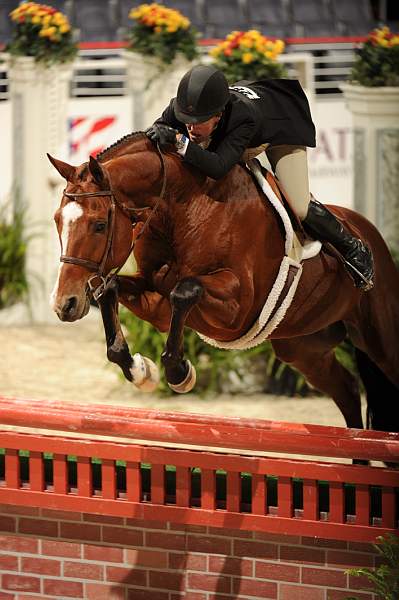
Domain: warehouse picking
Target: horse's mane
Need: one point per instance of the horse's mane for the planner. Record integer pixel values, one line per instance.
(119, 145)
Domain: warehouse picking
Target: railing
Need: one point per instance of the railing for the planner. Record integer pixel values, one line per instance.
(321, 65)
(248, 490)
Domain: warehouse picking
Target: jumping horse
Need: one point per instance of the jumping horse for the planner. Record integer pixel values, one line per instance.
(207, 254)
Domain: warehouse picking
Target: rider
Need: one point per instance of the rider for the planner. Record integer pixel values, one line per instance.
(214, 126)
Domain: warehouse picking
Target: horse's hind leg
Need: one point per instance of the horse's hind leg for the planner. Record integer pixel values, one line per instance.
(314, 356)
(180, 373)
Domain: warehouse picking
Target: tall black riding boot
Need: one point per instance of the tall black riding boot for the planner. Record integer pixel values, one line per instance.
(323, 225)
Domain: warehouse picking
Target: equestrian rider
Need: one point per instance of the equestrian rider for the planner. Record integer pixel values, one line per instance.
(214, 126)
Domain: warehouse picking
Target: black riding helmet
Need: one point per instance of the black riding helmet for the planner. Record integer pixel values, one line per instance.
(202, 93)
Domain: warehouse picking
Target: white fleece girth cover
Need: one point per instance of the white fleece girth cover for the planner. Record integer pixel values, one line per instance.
(263, 327)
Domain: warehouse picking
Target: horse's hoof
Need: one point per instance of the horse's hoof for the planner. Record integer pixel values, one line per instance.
(188, 383)
(145, 373)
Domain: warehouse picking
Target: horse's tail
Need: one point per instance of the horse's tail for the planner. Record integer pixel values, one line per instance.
(382, 395)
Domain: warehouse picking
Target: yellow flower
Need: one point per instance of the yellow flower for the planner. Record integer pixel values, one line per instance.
(246, 43)
(65, 28)
(215, 51)
(36, 20)
(47, 31)
(247, 57)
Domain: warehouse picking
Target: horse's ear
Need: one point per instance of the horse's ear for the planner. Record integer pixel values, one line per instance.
(63, 168)
(96, 170)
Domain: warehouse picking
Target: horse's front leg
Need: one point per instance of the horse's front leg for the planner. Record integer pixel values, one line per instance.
(180, 373)
(140, 370)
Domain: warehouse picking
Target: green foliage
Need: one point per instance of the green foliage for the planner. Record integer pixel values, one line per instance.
(385, 578)
(42, 32)
(162, 32)
(377, 62)
(216, 369)
(13, 282)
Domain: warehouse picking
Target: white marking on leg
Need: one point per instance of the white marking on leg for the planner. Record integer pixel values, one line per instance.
(70, 213)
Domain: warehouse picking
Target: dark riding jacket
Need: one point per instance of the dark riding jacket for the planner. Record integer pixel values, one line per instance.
(273, 111)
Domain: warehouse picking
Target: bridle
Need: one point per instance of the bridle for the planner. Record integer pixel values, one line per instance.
(106, 280)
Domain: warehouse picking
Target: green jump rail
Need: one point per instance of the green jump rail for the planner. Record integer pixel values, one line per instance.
(197, 479)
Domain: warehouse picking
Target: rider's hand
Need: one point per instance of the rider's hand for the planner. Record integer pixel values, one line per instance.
(161, 134)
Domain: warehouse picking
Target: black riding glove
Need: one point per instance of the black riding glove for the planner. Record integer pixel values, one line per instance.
(161, 134)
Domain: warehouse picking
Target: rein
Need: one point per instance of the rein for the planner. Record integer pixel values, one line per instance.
(105, 281)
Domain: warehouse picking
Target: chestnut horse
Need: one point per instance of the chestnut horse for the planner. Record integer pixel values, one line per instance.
(208, 253)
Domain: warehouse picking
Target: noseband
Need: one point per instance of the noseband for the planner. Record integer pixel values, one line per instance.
(105, 280)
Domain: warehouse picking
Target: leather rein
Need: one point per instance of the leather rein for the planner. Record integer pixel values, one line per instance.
(106, 280)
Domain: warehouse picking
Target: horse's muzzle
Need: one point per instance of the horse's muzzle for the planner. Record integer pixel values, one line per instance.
(72, 309)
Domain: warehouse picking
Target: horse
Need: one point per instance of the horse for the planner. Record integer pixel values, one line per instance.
(207, 254)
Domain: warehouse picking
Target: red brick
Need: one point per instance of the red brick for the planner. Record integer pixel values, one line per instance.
(21, 583)
(8, 524)
(264, 570)
(230, 533)
(103, 553)
(361, 547)
(344, 595)
(302, 555)
(8, 563)
(122, 536)
(72, 589)
(61, 515)
(19, 544)
(191, 528)
(254, 549)
(64, 549)
(147, 558)
(125, 575)
(187, 562)
(139, 594)
(209, 583)
(208, 545)
(349, 559)
(276, 538)
(42, 566)
(35, 597)
(324, 577)
(4, 596)
(83, 571)
(322, 543)
(291, 592)
(170, 541)
(8, 509)
(38, 527)
(109, 520)
(231, 566)
(254, 588)
(166, 580)
(98, 591)
(195, 596)
(81, 531)
(360, 583)
(146, 524)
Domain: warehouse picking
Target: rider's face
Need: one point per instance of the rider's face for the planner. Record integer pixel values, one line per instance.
(199, 132)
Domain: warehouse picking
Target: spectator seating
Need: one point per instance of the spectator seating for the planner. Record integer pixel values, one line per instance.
(6, 6)
(312, 18)
(95, 20)
(353, 18)
(270, 17)
(222, 17)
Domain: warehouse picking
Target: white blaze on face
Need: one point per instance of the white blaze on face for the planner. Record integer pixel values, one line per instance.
(70, 213)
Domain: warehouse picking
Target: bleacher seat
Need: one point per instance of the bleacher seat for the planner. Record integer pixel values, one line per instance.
(353, 18)
(270, 17)
(6, 26)
(95, 20)
(222, 17)
(312, 18)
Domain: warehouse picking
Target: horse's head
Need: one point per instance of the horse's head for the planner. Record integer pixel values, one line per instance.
(95, 236)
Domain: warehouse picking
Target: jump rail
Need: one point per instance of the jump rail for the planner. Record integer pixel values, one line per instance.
(199, 486)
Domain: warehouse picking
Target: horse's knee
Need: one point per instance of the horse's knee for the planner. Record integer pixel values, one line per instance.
(186, 293)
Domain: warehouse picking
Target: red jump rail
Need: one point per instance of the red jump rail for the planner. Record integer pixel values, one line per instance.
(196, 484)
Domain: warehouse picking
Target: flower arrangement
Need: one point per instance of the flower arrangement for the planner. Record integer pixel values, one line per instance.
(162, 32)
(42, 32)
(377, 62)
(248, 55)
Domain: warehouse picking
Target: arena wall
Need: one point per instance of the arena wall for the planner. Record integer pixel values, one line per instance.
(56, 554)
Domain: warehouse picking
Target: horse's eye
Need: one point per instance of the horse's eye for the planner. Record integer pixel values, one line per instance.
(100, 226)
